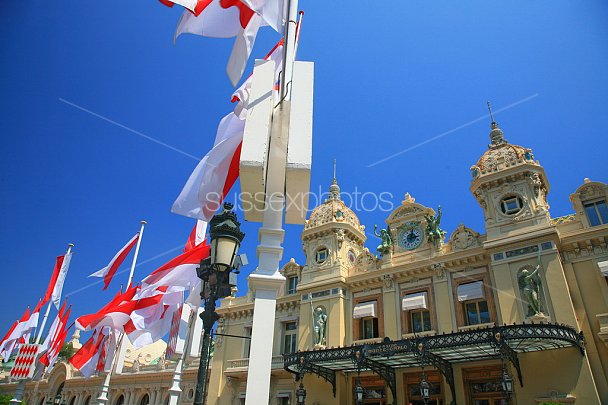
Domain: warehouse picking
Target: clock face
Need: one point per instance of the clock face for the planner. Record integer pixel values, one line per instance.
(410, 236)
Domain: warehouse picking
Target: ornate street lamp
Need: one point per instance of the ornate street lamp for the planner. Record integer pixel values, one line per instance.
(301, 394)
(217, 277)
(359, 393)
(507, 382)
(425, 389)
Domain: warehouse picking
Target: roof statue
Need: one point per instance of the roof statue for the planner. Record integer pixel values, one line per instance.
(385, 246)
(433, 232)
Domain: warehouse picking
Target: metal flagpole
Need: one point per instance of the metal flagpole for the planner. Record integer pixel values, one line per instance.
(118, 361)
(175, 389)
(48, 307)
(266, 281)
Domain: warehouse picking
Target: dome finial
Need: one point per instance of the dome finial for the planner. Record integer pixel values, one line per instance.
(334, 189)
(493, 124)
(496, 135)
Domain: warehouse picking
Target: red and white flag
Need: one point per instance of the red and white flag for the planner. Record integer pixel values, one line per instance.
(98, 319)
(217, 172)
(149, 324)
(53, 344)
(13, 338)
(5, 341)
(197, 236)
(174, 333)
(54, 331)
(54, 276)
(30, 325)
(225, 19)
(213, 177)
(195, 6)
(108, 272)
(272, 11)
(180, 271)
(58, 287)
(87, 357)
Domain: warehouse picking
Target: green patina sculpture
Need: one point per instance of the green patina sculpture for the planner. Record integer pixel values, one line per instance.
(531, 289)
(387, 240)
(433, 232)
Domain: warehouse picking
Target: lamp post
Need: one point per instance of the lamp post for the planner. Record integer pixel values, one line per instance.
(301, 394)
(216, 274)
(425, 389)
(359, 393)
(507, 382)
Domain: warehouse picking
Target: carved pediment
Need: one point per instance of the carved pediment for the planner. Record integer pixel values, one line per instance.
(408, 209)
(366, 262)
(464, 238)
(291, 268)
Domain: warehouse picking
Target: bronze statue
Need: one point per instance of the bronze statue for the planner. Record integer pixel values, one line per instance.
(531, 288)
(433, 232)
(320, 326)
(387, 240)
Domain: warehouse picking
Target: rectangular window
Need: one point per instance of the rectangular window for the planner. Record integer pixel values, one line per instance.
(420, 321)
(475, 308)
(283, 401)
(417, 313)
(367, 317)
(290, 337)
(597, 213)
(368, 328)
(246, 342)
(476, 312)
(292, 284)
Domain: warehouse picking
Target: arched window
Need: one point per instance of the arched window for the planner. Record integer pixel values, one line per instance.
(73, 400)
(120, 400)
(87, 401)
(145, 400)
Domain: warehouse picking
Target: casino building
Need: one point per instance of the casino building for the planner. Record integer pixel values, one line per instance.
(518, 314)
(467, 312)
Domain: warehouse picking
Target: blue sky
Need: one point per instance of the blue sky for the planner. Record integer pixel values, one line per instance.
(389, 76)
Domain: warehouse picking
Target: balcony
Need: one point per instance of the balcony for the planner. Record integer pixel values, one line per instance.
(239, 367)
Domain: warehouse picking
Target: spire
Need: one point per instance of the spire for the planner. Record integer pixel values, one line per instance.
(334, 189)
(496, 135)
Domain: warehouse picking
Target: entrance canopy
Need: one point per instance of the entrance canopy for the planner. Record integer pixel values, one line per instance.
(440, 351)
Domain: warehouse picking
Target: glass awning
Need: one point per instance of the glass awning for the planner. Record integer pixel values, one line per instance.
(441, 351)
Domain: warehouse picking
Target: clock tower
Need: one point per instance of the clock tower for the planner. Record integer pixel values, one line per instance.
(408, 225)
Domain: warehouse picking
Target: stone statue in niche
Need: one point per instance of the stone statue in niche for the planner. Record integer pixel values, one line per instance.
(530, 286)
(320, 326)
(385, 246)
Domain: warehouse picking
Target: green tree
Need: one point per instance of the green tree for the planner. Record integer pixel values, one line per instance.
(5, 399)
(66, 352)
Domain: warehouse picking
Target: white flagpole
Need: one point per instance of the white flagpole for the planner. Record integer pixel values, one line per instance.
(175, 389)
(141, 235)
(289, 54)
(118, 359)
(266, 280)
(48, 307)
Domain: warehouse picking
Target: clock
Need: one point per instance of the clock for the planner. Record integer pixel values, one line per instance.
(410, 235)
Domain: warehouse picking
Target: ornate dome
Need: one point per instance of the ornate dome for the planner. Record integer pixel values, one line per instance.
(333, 210)
(501, 155)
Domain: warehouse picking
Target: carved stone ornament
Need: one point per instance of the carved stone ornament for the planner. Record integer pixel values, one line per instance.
(366, 261)
(588, 191)
(340, 235)
(388, 281)
(440, 270)
(464, 238)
